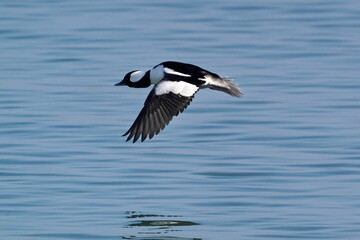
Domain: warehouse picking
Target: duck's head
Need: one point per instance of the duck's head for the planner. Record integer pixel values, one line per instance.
(136, 79)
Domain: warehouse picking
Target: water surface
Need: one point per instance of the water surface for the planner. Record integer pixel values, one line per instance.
(280, 163)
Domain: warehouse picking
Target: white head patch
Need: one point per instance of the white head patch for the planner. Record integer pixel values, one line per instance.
(136, 76)
(183, 88)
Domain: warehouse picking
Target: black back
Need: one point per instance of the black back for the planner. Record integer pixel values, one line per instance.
(190, 69)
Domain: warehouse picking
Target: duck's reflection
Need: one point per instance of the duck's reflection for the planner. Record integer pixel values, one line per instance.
(156, 227)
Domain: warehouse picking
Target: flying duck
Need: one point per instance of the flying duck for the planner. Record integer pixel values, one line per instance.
(175, 86)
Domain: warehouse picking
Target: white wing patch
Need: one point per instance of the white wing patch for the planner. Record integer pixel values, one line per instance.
(171, 71)
(183, 88)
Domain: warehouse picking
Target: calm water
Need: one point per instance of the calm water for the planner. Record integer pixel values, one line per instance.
(283, 162)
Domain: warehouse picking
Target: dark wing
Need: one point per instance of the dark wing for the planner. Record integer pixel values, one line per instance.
(157, 112)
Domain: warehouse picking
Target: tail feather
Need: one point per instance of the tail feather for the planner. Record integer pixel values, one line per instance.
(226, 85)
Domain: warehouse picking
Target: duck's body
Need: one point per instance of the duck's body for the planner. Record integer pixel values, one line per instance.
(175, 86)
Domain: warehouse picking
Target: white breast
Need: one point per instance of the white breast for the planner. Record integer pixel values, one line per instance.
(156, 74)
(182, 88)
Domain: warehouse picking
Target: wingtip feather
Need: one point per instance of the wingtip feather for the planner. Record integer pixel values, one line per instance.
(228, 86)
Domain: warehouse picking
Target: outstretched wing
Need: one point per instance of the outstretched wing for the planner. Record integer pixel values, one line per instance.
(166, 100)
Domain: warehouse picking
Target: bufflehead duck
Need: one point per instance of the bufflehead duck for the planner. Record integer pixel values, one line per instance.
(175, 86)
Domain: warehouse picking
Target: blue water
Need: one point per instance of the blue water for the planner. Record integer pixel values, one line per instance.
(283, 162)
